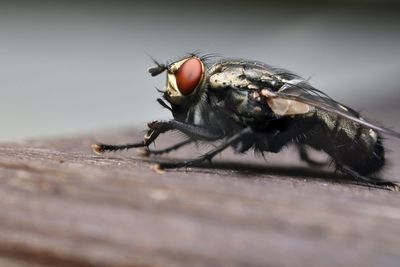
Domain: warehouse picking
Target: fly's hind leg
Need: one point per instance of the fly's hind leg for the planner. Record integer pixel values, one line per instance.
(209, 155)
(369, 180)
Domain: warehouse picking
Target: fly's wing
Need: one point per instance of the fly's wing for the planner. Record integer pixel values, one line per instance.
(301, 91)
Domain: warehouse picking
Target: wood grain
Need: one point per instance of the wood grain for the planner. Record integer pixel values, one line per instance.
(61, 205)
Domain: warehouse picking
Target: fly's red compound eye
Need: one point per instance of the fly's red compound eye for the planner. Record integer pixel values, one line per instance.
(188, 75)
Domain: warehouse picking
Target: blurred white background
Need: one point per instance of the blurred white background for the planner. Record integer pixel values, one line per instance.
(69, 67)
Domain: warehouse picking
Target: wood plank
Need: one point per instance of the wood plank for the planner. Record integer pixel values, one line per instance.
(61, 205)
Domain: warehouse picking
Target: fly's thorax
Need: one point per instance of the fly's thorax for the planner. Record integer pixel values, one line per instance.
(185, 81)
(260, 85)
(228, 78)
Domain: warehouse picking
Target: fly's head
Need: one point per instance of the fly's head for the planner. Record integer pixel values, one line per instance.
(185, 78)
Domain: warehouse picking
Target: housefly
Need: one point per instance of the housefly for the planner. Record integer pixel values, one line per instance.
(246, 104)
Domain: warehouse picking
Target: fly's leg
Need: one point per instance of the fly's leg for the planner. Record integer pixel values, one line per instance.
(147, 152)
(149, 138)
(209, 155)
(276, 141)
(159, 127)
(194, 131)
(369, 180)
(304, 156)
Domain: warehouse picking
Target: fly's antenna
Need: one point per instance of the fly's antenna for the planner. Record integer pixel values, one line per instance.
(159, 68)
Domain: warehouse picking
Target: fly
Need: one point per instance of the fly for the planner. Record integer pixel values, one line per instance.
(246, 104)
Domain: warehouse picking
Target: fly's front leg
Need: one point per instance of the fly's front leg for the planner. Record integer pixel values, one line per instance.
(149, 138)
(159, 127)
(209, 155)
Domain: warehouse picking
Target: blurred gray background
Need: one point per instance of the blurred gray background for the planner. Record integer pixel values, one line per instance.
(68, 67)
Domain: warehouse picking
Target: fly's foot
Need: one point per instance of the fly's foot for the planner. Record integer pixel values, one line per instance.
(381, 184)
(98, 149)
(392, 186)
(144, 152)
(386, 185)
(158, 169)
(372, 181)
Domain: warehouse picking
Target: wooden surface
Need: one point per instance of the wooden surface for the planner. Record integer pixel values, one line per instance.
(61, 205)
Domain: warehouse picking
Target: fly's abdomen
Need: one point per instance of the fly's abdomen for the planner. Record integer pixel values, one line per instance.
(350, 144)
(364, 153)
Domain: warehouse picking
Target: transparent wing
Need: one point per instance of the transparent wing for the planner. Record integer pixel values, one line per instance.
(303, 92)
